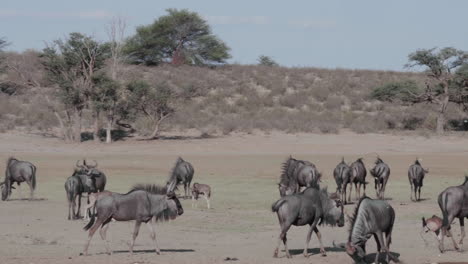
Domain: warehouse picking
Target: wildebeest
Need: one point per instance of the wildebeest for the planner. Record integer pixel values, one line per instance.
(342, 178)
(143, 203)
(182, 173)
(18, 171)
(453, 203)
(75, 186)
(99, 176)
(92, 199)
(416, 175)
(358, 177)
(381, 174)
(370, 218)
(312, 207)
(201, 189)
(296, 174)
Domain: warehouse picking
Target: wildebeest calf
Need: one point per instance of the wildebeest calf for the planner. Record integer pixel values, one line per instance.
(201, 189)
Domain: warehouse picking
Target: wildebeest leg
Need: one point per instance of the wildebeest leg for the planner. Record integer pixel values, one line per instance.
(357, 186)
(152, 226)
(92, 230)
(309, 235)
(207, 201)
(103, 233)
(135, 234)
(411, 192)
(449, 233)
(419, 193)
(379, 247)
(462, 230)
(79, 207)
(350, 191)
(383, 246)
(319, 236)
(284, 230)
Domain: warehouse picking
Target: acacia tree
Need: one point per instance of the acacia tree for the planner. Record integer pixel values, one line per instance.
(440, 66)
(3, 44)
(180, 37)
(71, 64)
(266, 61)
(153, 101)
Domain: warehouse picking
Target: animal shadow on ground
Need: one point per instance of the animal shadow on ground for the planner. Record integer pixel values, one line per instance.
(382, 258)
(202, 136)
(315, 251)
(149, 251)
(27, 199)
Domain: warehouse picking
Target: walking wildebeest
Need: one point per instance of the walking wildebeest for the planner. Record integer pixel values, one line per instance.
(143, 203)
(201, 189)
(312, 207)
(342, 178)
(416, 175)
(370, 218)
(75, 186)
(182, 173)
(381, 174)
(296, 174)
(18, 171)
(93, 198)
(453, 203)
(358, 177)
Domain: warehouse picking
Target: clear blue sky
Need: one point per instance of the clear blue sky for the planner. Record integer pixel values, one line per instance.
(370, 34)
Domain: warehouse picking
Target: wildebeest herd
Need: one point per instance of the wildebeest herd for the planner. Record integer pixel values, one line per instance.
(302, 202)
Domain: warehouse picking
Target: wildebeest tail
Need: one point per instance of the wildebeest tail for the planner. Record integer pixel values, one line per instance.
(275, 207)
(91, 222)
(443, 199)
(33, 177)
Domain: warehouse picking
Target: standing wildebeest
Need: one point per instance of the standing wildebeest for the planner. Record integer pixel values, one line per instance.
(296, 174)
(416, 175)
(358, 177)
(201, 189)
(92, 170)
(453, 202)
(143, 203)
(18, 171)
(370, 218)
(75, 186)
(312, 207)
(381, 173)
(342, 178)
(182, 173)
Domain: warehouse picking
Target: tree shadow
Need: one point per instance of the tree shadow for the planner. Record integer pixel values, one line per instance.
(315, 251)
(382, 257)
(149, 251)
(202, 136)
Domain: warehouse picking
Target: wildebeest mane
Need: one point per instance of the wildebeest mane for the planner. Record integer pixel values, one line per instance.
(353, 217)
(327, 204)
(378, 160)
(151, 188)
(173, 175)
(285, 177)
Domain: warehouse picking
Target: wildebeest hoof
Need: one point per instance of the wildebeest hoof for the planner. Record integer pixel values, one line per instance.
(324, 253)
(306, 255)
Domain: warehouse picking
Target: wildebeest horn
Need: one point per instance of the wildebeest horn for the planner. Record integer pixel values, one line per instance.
(93, 166)
(78, 164)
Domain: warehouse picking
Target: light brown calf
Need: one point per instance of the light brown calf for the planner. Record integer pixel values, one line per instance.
(201, 189)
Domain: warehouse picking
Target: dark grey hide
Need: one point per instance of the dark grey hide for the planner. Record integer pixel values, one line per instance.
(416, 175)
(296, 174)
(18, 171)
(342, 175)
(358, 177)
(312, 207)
(144, 204)
(182, 173)
(92, 170)
(75, 186)
(370, 218)
(381, 174)
(453, 203)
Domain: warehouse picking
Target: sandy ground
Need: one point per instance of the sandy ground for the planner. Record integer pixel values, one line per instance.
(243, 172)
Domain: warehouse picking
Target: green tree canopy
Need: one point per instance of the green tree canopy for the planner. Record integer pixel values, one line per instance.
(396, 91)
(266, 61)
(180, 37)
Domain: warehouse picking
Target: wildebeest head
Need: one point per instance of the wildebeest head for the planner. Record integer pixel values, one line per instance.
(174, 204)
(355, 252)
(336, 213)
(285, 189)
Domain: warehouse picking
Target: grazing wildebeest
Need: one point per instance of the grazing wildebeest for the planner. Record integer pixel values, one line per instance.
(416, 175)
(93, 198)
(381, 174)
(370, 218)
(18, 171)
(312, 207)
(453, 202)
(296, 174)
(358, 177)
(182, 173)
(201, 189)
(143, 203)
(75, 186)
(342, 178)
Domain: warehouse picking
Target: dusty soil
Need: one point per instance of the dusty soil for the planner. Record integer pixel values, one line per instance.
(243, 172)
